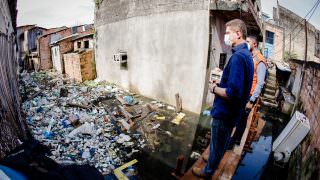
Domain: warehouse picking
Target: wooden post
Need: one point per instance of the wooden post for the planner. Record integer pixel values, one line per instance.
(177, 172)
(178, 103)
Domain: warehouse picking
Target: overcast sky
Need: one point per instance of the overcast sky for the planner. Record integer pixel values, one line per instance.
(55, 13)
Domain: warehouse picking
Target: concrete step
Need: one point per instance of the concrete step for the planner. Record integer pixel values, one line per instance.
(272, 97)
(272, 76)
(271, 79)
(269, 91)
(271, 87)
(271, 82)
(269, 100)
(265, 103)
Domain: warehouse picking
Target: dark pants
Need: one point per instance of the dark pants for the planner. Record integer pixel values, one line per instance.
(241, 126)
(220, 136)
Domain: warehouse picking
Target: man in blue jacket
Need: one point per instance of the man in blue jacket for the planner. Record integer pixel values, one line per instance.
(231, 95)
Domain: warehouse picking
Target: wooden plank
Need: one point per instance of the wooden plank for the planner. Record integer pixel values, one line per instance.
(238, 149)
(199, 163)
(118, 172)
(227, 166)
(261, 124)
(231, 158)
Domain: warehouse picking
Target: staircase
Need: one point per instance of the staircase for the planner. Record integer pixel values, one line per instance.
(269, 96)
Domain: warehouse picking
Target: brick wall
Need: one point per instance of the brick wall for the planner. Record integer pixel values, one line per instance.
(72, 66)
(310, 98)
(45, 50)
(304, 160)
(87, 65)
(80, 67)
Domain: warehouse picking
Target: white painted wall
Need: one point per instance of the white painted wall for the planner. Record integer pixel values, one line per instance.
(167, 54)
(56, 58)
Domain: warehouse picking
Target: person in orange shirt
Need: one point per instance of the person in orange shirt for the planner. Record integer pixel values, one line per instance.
(260, 69)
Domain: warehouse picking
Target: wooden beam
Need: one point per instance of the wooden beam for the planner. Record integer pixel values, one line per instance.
(199, 163)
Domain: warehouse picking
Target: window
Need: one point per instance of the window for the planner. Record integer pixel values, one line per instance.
(74, 29)
(222, 61)
(269, 37)
(79, 44)
(86, 44)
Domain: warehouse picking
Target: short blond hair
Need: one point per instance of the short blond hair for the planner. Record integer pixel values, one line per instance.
(238, 25)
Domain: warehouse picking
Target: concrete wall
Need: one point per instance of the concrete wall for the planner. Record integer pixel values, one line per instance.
(166, 43)
(167, 54)
(296, 41)
(56, 58)
(217, 47)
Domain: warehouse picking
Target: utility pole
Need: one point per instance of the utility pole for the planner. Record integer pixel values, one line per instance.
(284, 43)
(306, 49)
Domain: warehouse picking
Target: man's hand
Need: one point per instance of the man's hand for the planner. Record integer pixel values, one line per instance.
(213, 84)
(249, 106)
(216, 81)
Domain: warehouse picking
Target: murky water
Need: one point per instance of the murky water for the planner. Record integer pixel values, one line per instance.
(253, 164)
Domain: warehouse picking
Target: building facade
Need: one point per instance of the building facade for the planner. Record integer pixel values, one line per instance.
(80, 64)
(54, 35)
(168, 47)
(295, 36)
(13, 126)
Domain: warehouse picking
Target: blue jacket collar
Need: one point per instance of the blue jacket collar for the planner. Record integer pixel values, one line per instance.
(240, 46)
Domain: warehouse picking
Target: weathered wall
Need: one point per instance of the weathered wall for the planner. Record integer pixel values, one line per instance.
(12, 126)
(296, 41)
(167, 45)
(80, 66)
(33, 35)
(302, 161)
(87, 65)
(45, 50)
(278, 40)
(75, 46)
(217, 47)
(72, 66)
(56, 58)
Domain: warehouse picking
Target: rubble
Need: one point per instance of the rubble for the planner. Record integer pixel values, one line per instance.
(94, 122)
(70, 119)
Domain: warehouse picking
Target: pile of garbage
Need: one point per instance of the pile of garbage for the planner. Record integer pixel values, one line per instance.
(72, 120)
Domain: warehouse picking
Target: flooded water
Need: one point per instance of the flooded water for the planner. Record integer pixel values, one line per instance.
(159, 158)
(253, 164)
(192, 136)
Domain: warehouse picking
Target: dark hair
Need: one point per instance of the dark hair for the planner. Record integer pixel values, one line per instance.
(255, 38)
(238, 25)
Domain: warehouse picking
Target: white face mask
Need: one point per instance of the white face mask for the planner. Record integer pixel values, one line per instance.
(248, 46)
(227, 40)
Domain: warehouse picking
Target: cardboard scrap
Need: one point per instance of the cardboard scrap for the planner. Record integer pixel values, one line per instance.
(177, 120)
